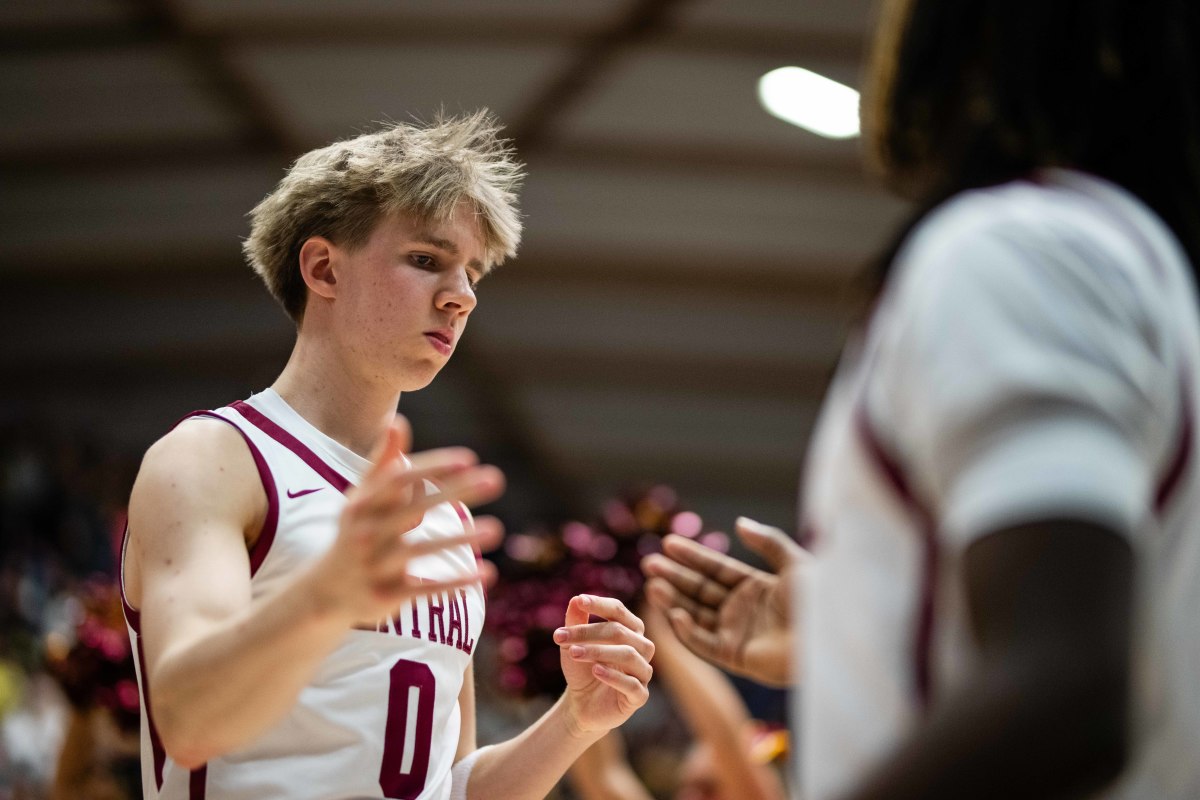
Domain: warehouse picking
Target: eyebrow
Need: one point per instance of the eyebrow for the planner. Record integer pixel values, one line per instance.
(450, 247)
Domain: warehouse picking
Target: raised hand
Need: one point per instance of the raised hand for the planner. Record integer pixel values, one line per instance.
(727, 612)
(365, 573)
(606, 664)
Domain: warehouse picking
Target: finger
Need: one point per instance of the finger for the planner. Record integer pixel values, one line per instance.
(399, 590)
(630, 687)
(702, 642)
(403, 474)
(666, 597)
(494, 530)
(603, 633)
(577, 613)
(395, 558)
(404, 435)
(705, 591)
(612, 610)
(723, 569)
(389, 449)
(771, 543)
(471, 487)
(394, 514)
(618, 656)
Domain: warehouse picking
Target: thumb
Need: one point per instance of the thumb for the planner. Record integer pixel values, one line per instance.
(771, 543)
(577, 613)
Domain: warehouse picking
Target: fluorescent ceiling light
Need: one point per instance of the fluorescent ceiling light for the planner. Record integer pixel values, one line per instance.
(810, 101)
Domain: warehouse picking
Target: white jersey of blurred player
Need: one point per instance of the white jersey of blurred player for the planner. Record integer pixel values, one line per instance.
(1066, 301)
(380, 718)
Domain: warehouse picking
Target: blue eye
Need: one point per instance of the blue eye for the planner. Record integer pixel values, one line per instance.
(423, 261)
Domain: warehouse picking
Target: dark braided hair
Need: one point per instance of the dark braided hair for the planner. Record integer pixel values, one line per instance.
(978, 93)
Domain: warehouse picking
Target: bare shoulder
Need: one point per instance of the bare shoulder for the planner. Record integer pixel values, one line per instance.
(197, 482)
(203, 462)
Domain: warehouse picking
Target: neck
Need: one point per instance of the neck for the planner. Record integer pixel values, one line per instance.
(354, 408)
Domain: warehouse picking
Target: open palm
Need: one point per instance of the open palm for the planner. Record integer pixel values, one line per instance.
(728, 612)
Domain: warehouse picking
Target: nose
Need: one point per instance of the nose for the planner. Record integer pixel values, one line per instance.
(456, 294)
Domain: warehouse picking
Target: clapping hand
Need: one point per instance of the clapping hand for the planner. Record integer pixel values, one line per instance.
(725, 611)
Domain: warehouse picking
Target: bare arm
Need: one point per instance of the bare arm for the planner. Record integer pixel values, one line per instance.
(714, 712)
(221, 668)
(1044, 714)
(603, 772)
(607, 667)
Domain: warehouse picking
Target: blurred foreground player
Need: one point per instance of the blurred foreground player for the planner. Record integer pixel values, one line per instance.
(304, 615)
(1002, 499)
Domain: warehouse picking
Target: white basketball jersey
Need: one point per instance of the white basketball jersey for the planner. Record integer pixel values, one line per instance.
(380, 717)
(1035, 355)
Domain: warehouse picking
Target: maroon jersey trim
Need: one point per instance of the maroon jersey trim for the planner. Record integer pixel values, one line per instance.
(1173, 476)
(132, 616)
(156, 747)
(931, 556)
(266, 536)
(198, 783)
(302, 451)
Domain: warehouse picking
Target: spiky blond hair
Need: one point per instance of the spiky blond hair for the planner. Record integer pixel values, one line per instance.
(342, 190)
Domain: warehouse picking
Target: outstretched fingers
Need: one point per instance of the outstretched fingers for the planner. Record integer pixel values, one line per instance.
(401, 588)
(388, 517)
(772, 544)
(686, 581)
(394, 558)
(725, 570)
(665, 596)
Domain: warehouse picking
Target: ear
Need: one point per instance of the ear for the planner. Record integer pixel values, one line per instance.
(317, 257)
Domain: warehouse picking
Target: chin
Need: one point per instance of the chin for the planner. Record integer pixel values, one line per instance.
(416, 379)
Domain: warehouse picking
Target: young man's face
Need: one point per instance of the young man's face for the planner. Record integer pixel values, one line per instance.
(404, 296)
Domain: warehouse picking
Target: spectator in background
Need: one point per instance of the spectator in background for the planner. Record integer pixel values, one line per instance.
(1002, 501)
(60, 500)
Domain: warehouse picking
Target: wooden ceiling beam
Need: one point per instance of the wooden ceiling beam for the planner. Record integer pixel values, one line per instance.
(645, 20)
(747, 41)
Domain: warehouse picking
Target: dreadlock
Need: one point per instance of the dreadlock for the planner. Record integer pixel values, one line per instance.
(973, 94)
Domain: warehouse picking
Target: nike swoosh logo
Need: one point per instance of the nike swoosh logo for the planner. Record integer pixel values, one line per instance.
(303, 492)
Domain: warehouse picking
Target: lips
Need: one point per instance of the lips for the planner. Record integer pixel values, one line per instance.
(442, 340)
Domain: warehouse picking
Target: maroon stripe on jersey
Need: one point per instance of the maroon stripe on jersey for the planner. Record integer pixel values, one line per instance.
(132, 616)
(808, 537)
(266, 535)
(198, 783)
(272, 429)
(160, 754)
(1183, 454)
(891, 469)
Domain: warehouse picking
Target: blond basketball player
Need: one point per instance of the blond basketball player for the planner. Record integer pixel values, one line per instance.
(304, 613)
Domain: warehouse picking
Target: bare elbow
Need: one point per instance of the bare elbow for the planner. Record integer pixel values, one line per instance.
(184, 744)
(182, 736)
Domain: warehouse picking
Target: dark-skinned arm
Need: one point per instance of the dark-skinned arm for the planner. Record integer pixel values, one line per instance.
(1044, 713)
